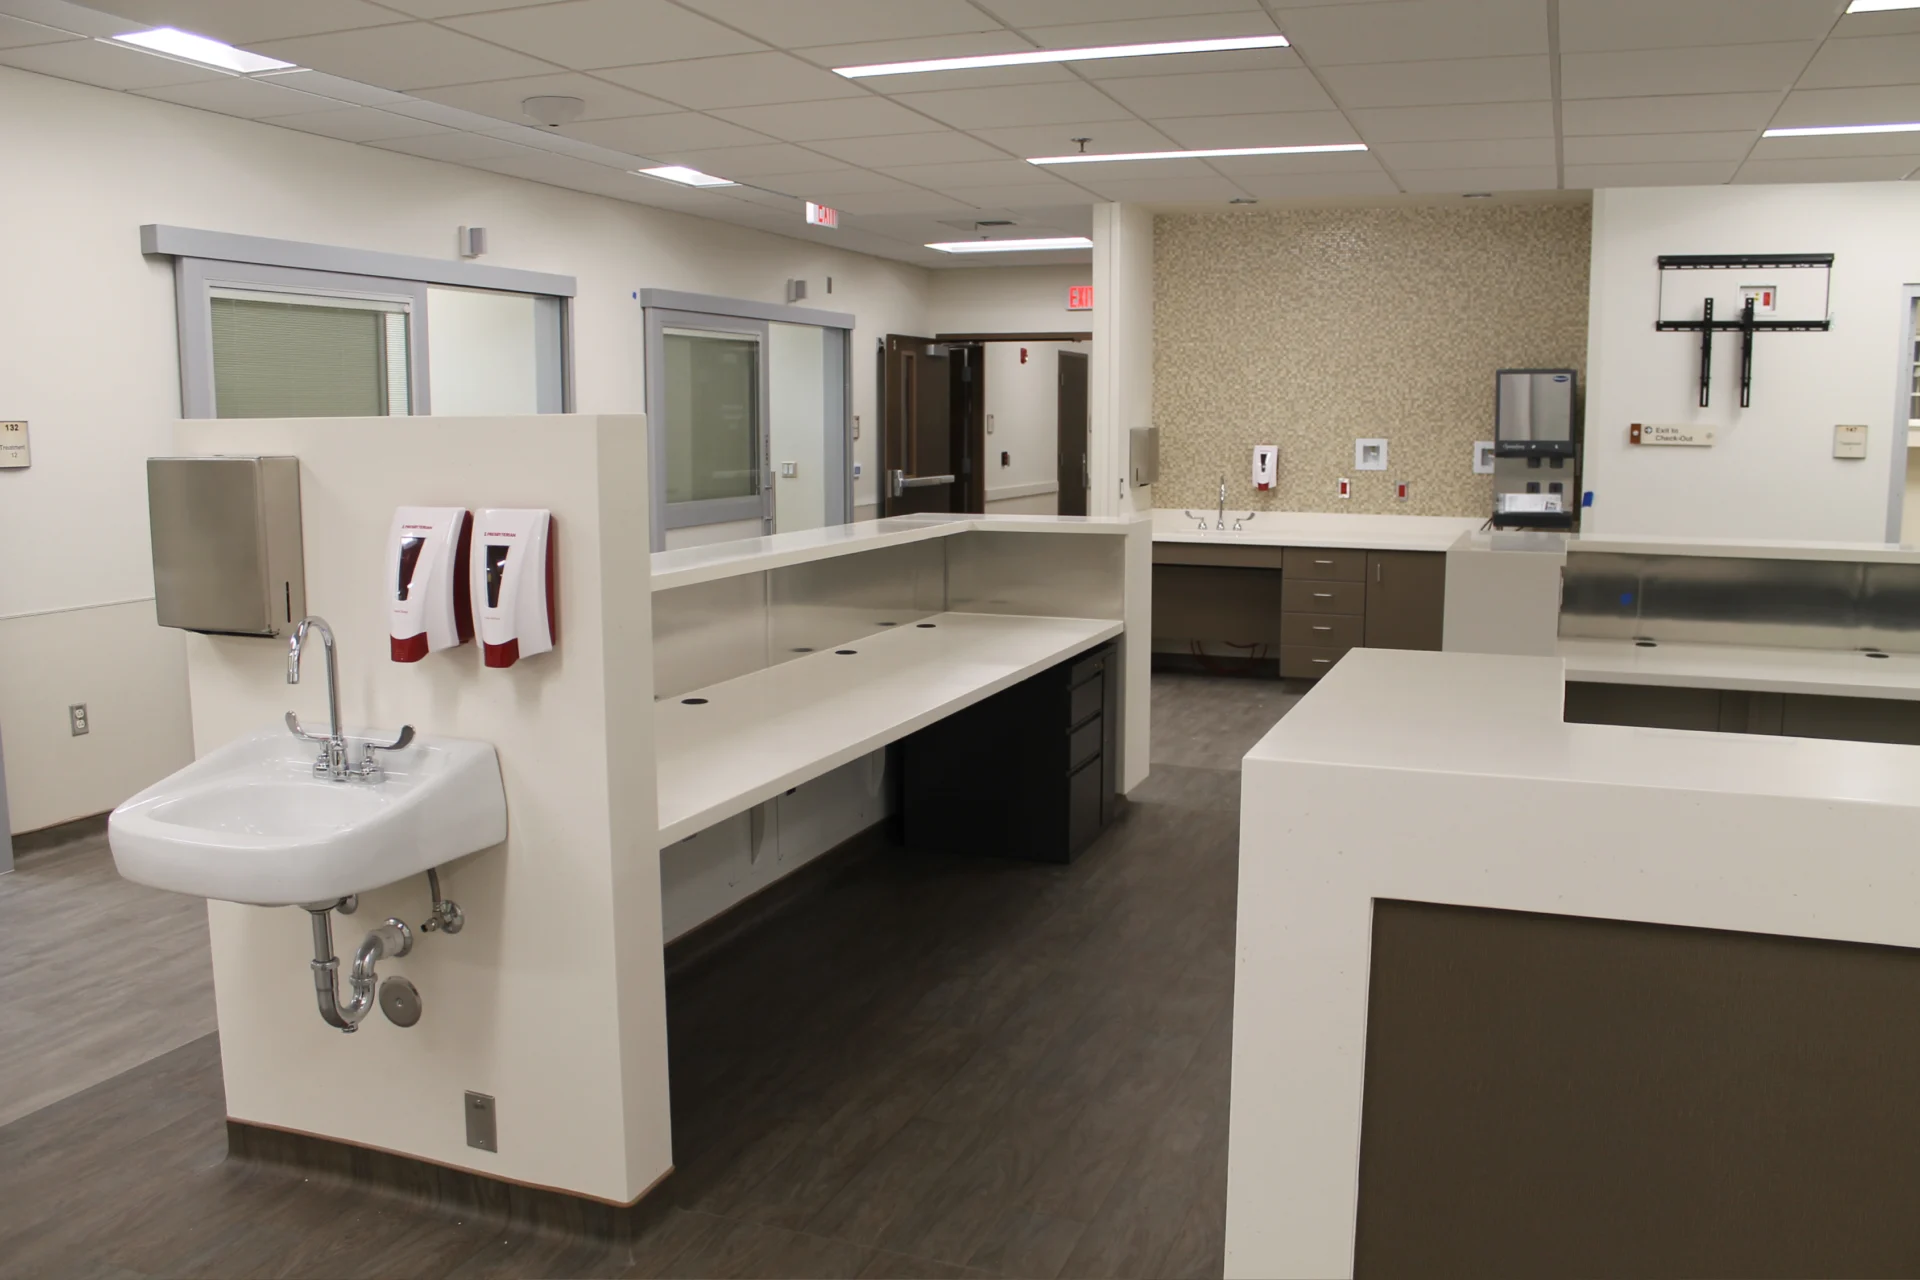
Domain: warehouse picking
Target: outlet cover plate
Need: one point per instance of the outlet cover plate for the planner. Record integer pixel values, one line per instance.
(1369, 455)
(483, 1129)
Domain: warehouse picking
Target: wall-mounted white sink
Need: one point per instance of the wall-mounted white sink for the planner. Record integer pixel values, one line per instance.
(253, 823)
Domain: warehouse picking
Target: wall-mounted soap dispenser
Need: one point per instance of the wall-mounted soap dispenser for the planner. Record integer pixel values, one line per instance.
(1266, 466)
(513, 583)
(432, 603)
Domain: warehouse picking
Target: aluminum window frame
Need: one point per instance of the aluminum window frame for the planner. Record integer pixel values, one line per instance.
(682, 515)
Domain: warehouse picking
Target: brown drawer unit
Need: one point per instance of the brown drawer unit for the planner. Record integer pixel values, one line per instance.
(1329, 563)
(1307, 595)
(1323, 630)
(1299, 661)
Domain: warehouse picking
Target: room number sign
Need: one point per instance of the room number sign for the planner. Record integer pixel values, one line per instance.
(13, 446)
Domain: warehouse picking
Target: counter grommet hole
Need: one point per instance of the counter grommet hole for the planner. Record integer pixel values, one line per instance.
(1876, 655)
(1647, 644)
(803, 649)
(926, 626)
(693, 702)
(846, 652)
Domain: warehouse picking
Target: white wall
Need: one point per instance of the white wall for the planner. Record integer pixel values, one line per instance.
(1023, 410)
(482, 350)
(797, 425)
(1121, 376)
(1007, 300)
(91, 361)
(1770, 473)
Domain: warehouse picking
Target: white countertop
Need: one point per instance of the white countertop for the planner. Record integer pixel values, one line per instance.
(1318, 529)
(1845, 673)
(1451, 778)
(760, 734)
(690, 565)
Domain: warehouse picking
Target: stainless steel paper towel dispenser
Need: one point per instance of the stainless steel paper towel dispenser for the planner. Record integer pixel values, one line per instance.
(227, 551)
(1143, 450)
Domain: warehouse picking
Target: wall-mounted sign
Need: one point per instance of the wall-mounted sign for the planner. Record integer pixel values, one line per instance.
(819, 215)
(1651, 433)
(1850, 441)
(13, 445)
(1080, 297)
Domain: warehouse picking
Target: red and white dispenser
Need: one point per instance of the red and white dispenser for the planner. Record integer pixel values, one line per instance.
(513, 583)
(432, 604)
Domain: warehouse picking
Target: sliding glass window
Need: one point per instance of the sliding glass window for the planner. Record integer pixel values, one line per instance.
(291, 355)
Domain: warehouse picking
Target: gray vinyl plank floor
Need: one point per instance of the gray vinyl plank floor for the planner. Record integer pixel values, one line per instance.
(97, 974)
(932, 1066)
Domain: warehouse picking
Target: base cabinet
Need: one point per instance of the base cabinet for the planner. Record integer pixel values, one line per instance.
(1406, 599)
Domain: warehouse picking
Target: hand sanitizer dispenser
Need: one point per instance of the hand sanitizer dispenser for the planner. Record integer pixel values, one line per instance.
(432, 603)
(1266, 464)
(513, 583)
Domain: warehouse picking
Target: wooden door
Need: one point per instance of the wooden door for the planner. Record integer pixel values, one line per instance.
(917, 458)
(1406, 599)
(1075, 424)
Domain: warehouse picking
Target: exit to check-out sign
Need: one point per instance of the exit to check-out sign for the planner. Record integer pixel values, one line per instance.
(1080, 297)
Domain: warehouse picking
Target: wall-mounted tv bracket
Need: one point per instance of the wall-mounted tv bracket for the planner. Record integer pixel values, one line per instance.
(1747, 325)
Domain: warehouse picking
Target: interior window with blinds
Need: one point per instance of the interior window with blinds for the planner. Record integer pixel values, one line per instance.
(713, 416)
(298, 356)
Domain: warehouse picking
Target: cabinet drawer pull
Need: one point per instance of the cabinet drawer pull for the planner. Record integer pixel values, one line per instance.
(1323, 628)
(1323, 562)
(1323, 661)
(1323, 595)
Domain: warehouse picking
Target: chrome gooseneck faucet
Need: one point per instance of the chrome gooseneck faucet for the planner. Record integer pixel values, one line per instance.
(332, 760)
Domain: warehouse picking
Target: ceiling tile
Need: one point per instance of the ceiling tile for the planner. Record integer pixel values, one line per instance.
(1183, 64)
(1012, 105)
(560, 171)
(62, 16)
(340, 90)
(1837, 147)
(1056, 13)
(915, 148)
(1270, 166)
(971, 173)
(1457, 80)
(1893, 22)
(107, 65)
(648, 135)
(18, 34)
(242, 22)
(1106, 137)
(1588, 26)
(1168, 190)
(788, 25)
(1646, 148)
(585, 34)
(1100, 175)
(1882, 105)
(1526, 178)
(1733, 68)
(832, 118)
(736, 80)
(1016, 194)
(239, 96)
(1319, 186)
(501, 99)
(440, 113)
(357, 124)
(413, 55)
(451, 8)
(830, 186)
(1690, 113)
(1227, 94)
(1829, 169)
(974, 78)
(1278, 129)
(573, 148)
(1844, 64)
(770, 160)
(1211, 26)
(1418, 31)
(1443, 124)
(909, 201)
(868, 53)
(1493, 153)
(455, 148)
(1686, 173)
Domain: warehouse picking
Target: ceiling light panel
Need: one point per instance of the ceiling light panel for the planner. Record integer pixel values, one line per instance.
(1207, 154)
(1036, 56)
(187, 47)
(1013, 246)
(685, 177)
(1826, 130)
(1881, 6)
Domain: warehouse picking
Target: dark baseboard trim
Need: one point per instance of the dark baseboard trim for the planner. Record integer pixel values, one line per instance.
(442, 1186)
(687, 953)
(60, 833)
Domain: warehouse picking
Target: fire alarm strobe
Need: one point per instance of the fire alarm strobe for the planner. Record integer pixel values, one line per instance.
(514, 583)
(432, 603)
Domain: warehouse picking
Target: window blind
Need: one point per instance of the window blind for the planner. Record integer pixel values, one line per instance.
(299, 360)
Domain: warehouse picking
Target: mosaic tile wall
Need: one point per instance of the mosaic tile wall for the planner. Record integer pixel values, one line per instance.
(1311, 328)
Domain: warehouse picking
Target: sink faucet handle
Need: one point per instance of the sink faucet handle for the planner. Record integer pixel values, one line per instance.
(406, 736)
(293, 725)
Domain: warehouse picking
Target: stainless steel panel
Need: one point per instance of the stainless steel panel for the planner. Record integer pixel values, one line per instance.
(227, 552)
(825, 604)
(1038, 575)
(708, 632)
(1143, 455)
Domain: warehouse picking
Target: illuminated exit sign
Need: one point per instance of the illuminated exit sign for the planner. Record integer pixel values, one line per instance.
(818, 215)
(1080, 297)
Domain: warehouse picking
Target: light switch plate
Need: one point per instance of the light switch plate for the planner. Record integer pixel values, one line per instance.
(1369, 455)
(483, 1130)
(14, 452)
(1849, 441)
(789, 469)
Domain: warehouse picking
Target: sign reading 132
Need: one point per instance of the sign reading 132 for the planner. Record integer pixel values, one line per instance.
(13, 445)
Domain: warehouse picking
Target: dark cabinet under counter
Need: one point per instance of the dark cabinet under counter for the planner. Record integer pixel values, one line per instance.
(1031, 772)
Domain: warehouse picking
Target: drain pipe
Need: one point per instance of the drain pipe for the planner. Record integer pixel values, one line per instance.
(392, 939)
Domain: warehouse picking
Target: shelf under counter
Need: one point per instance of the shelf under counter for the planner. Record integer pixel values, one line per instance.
(727, 747)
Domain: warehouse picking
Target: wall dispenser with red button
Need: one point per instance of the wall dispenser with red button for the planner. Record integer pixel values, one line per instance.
(514, 583)
(431, 606)
(1266, 466)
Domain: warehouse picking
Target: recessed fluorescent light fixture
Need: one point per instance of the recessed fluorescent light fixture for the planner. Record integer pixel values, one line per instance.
(1033, 56)
(1881, 6)
(1013, 246)
(1210, 154)
(1827, 130)
(188, 47)
(686, 177)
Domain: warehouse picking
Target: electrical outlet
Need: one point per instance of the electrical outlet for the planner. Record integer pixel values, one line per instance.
(77, 718)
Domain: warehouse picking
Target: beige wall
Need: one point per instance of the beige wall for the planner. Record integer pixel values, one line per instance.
(1310, 328)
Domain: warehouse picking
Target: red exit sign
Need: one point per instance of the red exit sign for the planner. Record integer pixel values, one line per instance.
(1080, 297)
(819, 215)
